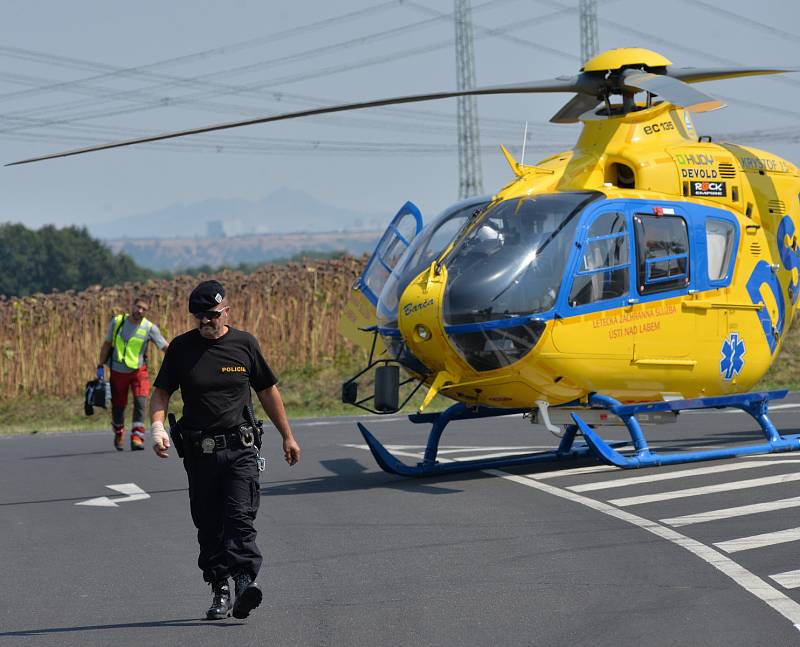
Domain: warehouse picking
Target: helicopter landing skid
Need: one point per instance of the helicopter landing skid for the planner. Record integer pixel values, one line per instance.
(756, 404)
(430, 466)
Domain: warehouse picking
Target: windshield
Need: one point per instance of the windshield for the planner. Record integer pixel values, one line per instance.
(511, 260)
(424, 249)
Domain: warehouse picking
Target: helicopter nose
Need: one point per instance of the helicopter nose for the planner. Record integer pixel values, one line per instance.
(420, 318)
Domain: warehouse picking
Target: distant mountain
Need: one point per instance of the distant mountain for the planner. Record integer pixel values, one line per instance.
(283, 211)
(181, 253)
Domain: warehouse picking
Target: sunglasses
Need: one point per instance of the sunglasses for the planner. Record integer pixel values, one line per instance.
(208, 314)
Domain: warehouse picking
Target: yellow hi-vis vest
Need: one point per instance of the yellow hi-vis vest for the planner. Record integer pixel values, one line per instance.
(127, 353)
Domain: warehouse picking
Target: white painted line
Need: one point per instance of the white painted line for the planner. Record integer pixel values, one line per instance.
(708, 489)
(666, 476)
(573, 471)
(750, 582)
(759, 541)
(727, 513)
(455, 449)
(391, 447)
(476, 457)
(399, 452)
(520, 450)
(788, 580)
(772, 407)
(134, 492)
(333, 421)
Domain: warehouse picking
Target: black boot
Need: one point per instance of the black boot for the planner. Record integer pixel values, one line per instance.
(248, 595)
(221, 604)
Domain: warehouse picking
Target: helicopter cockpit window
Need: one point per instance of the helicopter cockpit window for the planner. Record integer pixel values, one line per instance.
(603, 270)
(509, 263)
(424, 249)
(720, 235)
(662, 250)
(512, 260)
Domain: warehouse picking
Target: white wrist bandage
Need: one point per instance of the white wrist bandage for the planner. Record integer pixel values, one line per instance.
(160, 436)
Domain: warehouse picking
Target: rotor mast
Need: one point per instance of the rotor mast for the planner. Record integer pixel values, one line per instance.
(469, 160)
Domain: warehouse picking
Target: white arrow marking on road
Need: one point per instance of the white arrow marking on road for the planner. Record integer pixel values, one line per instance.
(134, 492)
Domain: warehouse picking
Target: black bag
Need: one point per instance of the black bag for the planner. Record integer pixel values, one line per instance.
(98, 393)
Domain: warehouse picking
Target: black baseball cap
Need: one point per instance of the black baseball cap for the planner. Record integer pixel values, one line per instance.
(205, 296)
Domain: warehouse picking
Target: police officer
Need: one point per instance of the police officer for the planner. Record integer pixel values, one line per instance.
(215, 365)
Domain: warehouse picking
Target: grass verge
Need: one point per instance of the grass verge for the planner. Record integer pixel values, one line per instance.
(306, 393)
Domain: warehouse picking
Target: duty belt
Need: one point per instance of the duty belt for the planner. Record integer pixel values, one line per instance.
(241, 437)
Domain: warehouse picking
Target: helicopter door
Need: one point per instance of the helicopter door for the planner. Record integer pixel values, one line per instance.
(404, 227)
(663, 335)
(593, 320)
(359, 313)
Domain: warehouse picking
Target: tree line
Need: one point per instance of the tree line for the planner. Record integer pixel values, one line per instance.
(52, 259)
(48, 259)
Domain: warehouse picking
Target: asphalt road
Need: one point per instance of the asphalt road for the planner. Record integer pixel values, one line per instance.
(572, 553)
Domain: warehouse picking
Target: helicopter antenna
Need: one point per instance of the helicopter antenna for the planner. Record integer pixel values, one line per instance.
(524, 141)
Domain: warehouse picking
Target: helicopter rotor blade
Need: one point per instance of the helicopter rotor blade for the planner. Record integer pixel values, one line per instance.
(560, 84)
(574, 108)
(673, 90)
(699, 74)
(588, 86)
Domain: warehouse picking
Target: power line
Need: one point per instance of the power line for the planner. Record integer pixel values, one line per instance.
(160, 101)
(142, 71)
(282, 145)
(744, 20)
(230, 89)
(503, 32)
(692, 50)
(418, 117)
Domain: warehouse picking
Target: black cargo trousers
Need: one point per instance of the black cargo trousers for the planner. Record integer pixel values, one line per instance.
(224, 493)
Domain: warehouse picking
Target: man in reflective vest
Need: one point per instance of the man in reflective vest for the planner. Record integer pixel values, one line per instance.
(125, 351)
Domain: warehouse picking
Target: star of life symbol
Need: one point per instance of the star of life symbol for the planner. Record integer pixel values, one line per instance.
(732, 356)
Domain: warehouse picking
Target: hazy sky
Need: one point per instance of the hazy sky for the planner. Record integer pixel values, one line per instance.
(89, 71)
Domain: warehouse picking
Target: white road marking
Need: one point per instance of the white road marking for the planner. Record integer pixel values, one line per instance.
(788, 580)
(573, 471)
(134, 492)
(727, 513)
(453, 449)
(758, 587)
(750, 582)
(759, 541)
(521, 450)
(666, 476)
(772, 407)
(707, 489)
(329, 422)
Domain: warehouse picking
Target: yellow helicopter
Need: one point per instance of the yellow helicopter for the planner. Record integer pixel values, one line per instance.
(646, 271)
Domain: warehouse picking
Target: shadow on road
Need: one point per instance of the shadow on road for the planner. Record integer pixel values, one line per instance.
(84, 498)
(177, 622)
(349, 475)
(100, 453)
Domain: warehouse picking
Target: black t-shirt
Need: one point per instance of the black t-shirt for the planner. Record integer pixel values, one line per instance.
(214, 376)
